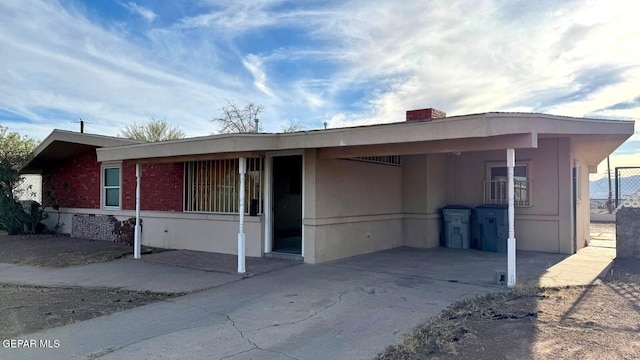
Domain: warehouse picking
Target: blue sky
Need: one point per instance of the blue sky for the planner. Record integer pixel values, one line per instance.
(341, 62)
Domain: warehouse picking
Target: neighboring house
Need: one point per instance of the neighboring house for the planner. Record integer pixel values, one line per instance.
(330, 194)
(29, 188)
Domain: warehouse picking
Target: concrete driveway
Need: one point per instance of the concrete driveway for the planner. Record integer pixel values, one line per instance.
(350, 309)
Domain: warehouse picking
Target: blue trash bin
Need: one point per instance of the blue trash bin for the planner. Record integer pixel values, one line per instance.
(492, 227)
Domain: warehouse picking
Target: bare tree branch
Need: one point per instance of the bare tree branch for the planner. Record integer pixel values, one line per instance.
(292, 127)
(234, 119)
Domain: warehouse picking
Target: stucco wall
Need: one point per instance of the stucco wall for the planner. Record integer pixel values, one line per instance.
(201, 232)
(424, 184)
(357, 208)
(546, 224)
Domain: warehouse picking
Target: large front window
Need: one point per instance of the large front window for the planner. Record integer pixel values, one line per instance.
(212, 186)
(495, 187)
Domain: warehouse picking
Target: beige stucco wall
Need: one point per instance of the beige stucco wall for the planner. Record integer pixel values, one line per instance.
(356, 208)
(201, 232)
(424, 184)
(544, 226)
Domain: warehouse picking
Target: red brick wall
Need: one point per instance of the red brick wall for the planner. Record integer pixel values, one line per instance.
(161, 187)
(76, 183)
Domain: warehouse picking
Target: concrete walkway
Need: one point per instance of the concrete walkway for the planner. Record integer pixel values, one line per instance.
(588, 265)
(349, 309)
(124, 273)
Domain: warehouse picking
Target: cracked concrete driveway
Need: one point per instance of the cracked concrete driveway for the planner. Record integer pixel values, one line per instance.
(350, 309)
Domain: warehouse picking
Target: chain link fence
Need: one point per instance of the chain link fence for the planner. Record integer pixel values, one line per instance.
(627, 186)
(30, 188)
(601, 193)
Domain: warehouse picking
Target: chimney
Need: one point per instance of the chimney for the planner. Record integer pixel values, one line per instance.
(427, 114)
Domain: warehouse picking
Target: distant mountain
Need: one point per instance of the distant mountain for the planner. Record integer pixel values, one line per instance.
(599, 189)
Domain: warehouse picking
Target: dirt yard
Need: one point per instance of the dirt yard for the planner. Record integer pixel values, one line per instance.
(27, 309)
(601, 321)
(51, 251)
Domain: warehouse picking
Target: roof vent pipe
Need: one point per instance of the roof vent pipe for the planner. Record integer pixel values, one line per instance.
(257, 124)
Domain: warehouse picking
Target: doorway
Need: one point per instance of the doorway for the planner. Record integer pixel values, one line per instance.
(287, 204)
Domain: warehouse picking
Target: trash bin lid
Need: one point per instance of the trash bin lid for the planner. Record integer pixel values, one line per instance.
(458, 207)
(492, 206)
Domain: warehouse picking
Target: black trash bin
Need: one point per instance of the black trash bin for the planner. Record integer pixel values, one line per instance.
(492, 227)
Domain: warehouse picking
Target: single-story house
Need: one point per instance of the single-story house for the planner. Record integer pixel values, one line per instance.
(334, 193)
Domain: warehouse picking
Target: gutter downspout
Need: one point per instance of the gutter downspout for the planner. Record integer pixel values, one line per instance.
(137, 232)
(511, 241)
(241, 247)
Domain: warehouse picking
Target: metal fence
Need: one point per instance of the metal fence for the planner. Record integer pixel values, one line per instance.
(30, 188)
(627, 186)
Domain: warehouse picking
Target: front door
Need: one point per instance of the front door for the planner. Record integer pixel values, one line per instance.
(287, 204)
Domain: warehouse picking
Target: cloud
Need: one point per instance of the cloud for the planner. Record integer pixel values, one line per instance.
(142, 11)
(343, 62)
(255, 66)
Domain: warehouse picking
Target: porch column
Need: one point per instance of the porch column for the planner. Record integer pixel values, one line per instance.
(268, 241)
(511, 240)
(136, 235)
(243, 170)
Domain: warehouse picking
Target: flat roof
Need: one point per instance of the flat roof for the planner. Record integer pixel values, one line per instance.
(494, 125)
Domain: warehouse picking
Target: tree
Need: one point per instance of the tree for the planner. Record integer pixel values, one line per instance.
(234, 119)
(14, 153)
(291, 127)
(152, 130)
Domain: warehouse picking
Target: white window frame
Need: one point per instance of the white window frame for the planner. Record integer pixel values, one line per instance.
(103, 187)
(502, 164)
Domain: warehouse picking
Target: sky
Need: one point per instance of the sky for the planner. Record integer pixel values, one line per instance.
(350, 62)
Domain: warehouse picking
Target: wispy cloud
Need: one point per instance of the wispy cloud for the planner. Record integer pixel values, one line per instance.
(142, 11)
(255, 66)
(345, 62)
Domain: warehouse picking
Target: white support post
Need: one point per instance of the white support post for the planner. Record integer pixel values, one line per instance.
(241, 248)
(137, 232)
(511, 240)
(268, 241)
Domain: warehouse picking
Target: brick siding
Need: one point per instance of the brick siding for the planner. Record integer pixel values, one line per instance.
(76, 183)
(161, 187)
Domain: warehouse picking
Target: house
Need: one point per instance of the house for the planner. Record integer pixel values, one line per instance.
(334, 193)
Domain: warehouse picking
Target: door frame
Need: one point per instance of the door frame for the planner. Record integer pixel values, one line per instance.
(268, 196)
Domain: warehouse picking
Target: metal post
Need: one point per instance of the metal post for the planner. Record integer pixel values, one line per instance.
(241, 248)
(137, 232)
(609, 199)
(511, 240)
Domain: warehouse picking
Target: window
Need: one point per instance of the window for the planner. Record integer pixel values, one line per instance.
(212, 186)
(495, 187)
(111, 186)
(384, 160)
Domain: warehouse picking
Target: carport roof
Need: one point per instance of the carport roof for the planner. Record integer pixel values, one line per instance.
(61, 144)
(476, 132)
